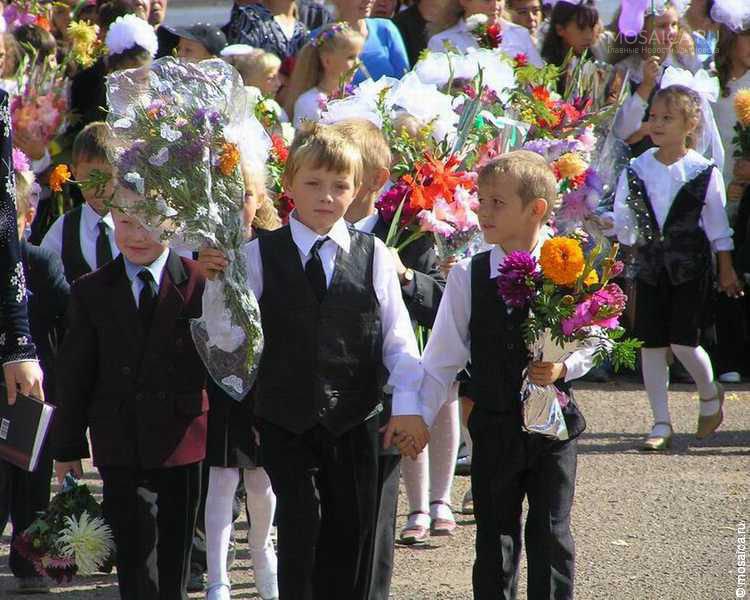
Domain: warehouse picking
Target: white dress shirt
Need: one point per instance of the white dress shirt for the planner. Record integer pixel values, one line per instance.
(156, 268)
(367, 224)
(449, 347)
(726, 119)
(663, 182)
(308, 106)
(88, 234)
(400, 352)
(516, 39)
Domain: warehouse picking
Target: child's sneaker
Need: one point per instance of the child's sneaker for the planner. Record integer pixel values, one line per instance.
(416, 530)
(443, 522)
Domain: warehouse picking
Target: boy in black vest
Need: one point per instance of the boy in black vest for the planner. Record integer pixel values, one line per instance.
(333, 317)
(517, 192)
(84, 237)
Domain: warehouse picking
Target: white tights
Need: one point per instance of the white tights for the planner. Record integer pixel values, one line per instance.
(261, 503)
(429, 478)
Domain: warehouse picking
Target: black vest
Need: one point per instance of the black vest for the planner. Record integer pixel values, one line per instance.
(72, 256)
(681, 247)
(498, 351)
(322, 361)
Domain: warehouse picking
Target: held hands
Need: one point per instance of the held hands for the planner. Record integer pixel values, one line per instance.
(408, 433)
(546, 373)
(212, 262)
(63, 468)
(27, 375)
(730, 283)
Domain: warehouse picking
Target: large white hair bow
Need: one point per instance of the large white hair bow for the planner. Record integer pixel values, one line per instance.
(735, 14)
(707, 87)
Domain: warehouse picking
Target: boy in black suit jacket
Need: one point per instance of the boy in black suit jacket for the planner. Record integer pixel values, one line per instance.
(24, 494)
(421, 287)
(129, 373)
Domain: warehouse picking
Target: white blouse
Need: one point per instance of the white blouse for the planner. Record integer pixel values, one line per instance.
(726, 119)
(663, 182)
(516, 39)
(309, 106)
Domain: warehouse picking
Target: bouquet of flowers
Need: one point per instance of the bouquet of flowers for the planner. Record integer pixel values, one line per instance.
(180, 131)
(488, 35)
(33, 12)
(69, 537)
(741, 137)
(571, 303)
(276, 164)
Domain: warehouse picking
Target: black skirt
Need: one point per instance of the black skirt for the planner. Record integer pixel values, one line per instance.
(231, 439)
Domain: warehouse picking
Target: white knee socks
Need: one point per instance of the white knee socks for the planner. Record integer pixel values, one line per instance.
(222, 485)
(439, 461)
(656, 381)
(261, 504)
(698, 364)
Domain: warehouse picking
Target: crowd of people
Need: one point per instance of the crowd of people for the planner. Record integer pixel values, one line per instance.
(317, 449)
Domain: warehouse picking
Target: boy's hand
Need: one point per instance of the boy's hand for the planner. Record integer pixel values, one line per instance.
(447, 264)
(400, 268)
(212, 262)
(546, 373)
(63, 468)
(730, 283)
(408, 433)
(25, 374)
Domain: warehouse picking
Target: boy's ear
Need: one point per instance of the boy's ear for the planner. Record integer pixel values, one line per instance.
(379, 178)
(539, 208)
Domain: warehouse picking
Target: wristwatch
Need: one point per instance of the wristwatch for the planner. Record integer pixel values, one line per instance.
(408, 276)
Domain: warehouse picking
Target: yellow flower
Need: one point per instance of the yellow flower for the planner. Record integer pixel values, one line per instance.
(570, 165)
(742, 107)
(83, 38)
(592, 278)
(60, 176)
(562, 260)
(229, 158)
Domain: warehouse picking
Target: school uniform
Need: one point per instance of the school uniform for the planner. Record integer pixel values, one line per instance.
(422, 297)
(508, 464)
(675, 216)
(516, 40)
(83, 239)
(130, 374)
(334, 321)
(24, 494)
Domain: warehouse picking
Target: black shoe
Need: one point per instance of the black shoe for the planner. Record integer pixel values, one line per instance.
(197, 581)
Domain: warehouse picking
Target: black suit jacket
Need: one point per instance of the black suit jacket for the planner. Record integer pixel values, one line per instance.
(141, 394)
(48, 293)
(422, 296)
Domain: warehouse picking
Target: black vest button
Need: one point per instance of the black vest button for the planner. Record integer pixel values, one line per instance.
(322, 412)
(139, 397)
(509, 346)
(126, 371)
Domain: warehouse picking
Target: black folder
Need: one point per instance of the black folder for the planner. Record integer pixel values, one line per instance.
(23, 429)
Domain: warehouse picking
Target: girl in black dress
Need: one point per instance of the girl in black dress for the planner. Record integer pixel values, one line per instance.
(231, 451)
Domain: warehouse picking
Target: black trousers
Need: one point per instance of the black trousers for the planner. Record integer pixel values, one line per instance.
(508, 465)
(152, 514)
(326, 494)
(22, 496)
(384, 535)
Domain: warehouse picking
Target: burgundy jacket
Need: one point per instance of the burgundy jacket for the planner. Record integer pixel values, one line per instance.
(142, 397)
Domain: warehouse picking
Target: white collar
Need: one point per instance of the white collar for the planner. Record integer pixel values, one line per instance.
(305, 238)
(156, 268)
(368, 223)
(91, 218)
(683, 170)
(497, 254)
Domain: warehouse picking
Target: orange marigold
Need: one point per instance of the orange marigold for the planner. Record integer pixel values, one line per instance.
(562, 260)
(59, 177)
(229, 158)
(570, 165)
(742, 107)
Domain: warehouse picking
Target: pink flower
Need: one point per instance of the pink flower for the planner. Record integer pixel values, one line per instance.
(428, 221)
(603, 309)
(20, 161)
(617, 268)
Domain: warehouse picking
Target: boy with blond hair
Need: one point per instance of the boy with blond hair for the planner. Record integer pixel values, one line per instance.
(517, 193)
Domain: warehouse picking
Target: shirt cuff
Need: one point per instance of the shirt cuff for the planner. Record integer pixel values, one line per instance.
(724, 244)
(41, 165)
(410, 287)
(20, 360)
(405, 403)
(577, 365)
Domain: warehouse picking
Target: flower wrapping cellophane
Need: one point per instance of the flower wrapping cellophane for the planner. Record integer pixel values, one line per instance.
(542, 404)
(180, 131)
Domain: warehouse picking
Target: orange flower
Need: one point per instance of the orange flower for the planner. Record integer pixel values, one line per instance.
(279, 147)
(229, 158)
(435, 180)
(742, 107)
(570, 165)
(43, 22)
(562, 260)
(60, 176)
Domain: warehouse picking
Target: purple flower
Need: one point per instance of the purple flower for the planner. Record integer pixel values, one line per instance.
(616, 269)
(20, 161)
(518, 280)
(389, 202)
(203, 115)
(603, 309)
(131, 157)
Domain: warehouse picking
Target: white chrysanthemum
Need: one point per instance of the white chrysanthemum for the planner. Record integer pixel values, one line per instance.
(88, 541)
(130, 31)
(475, 21)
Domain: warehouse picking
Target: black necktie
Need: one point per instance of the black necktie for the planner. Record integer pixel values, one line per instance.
(103, 249)
(314, 270)
(147, 298)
